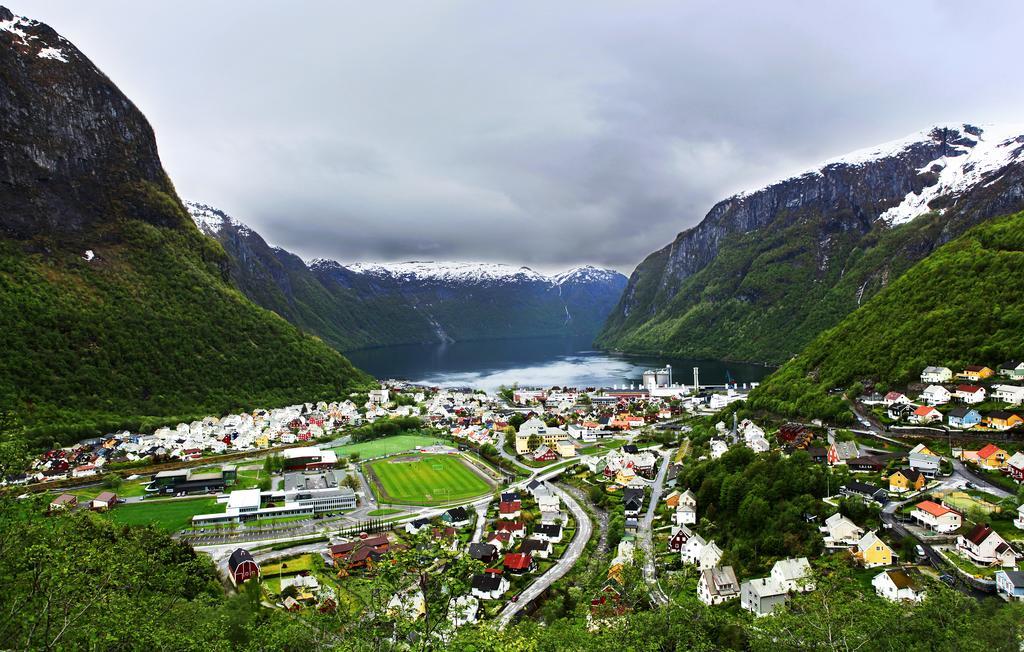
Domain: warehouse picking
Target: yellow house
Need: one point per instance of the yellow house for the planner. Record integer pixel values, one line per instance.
(1002, 420)
(262, 441)
(906, 480)
(872, 551)
(975, 372)
(566, 449)
(993, 457)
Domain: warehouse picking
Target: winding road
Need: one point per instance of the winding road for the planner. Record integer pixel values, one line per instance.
(647, 533)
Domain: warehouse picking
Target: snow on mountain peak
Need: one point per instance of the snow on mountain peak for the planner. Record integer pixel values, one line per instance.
(211, 220)
(447, 271)
(584, 274)
(16, 25)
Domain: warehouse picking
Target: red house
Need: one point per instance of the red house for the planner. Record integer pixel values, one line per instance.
(242, 566)
(359, 553)
(792, 433)
(518, 563)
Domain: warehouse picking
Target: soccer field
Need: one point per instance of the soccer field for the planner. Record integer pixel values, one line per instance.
(167, 514)
(424, 480)
(386, 446)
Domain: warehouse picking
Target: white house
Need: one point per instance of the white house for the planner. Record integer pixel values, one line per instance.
(718, 448)
(758, 444)
(1019, 521)
(489, 586)
(936, 517)
(793, 574)
(761, 596)
(935, 395)
(464, 611)
(970, 394)
(685, 514)
(549, 503)
(898, 585)
(894, 398)
(923, 460)
(984, 546)
(718, 585)
(700, 553)
(936, 375)
(1013, 394)
(840, 532)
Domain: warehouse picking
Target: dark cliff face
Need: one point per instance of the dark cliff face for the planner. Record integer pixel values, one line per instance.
(74, 150)
(811, 248)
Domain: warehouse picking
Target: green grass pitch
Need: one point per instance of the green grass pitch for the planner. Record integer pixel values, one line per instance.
(387, 446)
(169, 514)
(430, 480)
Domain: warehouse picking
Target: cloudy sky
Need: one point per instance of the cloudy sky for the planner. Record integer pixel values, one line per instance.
(540, 133)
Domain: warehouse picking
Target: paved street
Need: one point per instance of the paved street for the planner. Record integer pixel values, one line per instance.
(647, 534)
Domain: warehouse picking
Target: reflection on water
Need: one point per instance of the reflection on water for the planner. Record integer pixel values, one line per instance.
(542, 362)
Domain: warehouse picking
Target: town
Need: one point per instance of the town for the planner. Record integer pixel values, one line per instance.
(538, 487)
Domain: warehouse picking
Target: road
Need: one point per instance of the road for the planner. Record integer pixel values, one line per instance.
(584, 529)
(647, 533)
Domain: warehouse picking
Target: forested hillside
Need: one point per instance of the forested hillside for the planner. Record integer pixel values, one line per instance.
(961, 305)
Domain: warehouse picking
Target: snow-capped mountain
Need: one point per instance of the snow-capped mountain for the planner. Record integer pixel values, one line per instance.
(767, 270)
(372, 304)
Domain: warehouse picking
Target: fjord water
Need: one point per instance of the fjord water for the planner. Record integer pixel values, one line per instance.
(535, 362)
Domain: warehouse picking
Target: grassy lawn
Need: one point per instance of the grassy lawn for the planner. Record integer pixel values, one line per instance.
(170, 514)
(386, 446)
(248, 479)
(968, 566)
(383, 512)
(289, 566)
(602, 446)
(128, 489)
(426, 480)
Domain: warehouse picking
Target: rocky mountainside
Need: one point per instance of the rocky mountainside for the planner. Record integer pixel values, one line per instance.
(369, 304)
(115, 310)
(766, 271)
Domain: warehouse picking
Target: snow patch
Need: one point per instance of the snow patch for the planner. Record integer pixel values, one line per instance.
(89, 254)
(53, 53)
(448, 271)
(212, 220)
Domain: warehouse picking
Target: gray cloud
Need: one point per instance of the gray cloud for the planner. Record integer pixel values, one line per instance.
(547, 134)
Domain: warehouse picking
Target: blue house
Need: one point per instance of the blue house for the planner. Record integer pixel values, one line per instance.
(964, 417)
(1010, 584)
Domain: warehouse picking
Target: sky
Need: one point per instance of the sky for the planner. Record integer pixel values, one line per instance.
(547, 134)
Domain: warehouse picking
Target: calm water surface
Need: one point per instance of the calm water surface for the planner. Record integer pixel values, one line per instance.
(541, 362)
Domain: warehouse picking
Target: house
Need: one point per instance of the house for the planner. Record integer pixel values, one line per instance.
(464, 611)
(872, 551)
(63, 501)
(632, 500)
(717, 585)
(685, 515)
(794, 434)
(865, 490)
(964, 417)
(793, 574)
(241, 566)
(992, 457)
(840, 532)
(511, 510)
(975, 373)
(818, 454)
(1010, 584)
(899, 411)
(1013, 394)
(549, 503)
(841, 451)
(925, 414)
(688, 498)
(866, 463)
(540, 548)
(513, 528)
(456, 517)
(416, 525)
(761, 596)
(1019, 521)
(936, 375)
(936, 517)
(970, 394)
(548, 517)
(701, 554)
(509, 496)
(1002, 420)
(718, 448)
(894, 397)
(1012, 369)
(680, 534)
(485, 552)
(306, 587)
(984, 546)
(935, 395)
(363, 551)
(106, 500)
(518, 563)
(544, 454)
(905, 480)
(544, 532)
(1015, 466)
(488, 586)
(921, 458)
(899, 585)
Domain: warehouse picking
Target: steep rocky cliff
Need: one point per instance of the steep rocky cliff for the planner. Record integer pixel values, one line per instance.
(115, 310)
(363, 305)
(766, 271)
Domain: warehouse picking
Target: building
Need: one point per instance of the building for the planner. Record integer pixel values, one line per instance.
(871, 551)
(489, 586)
(456, 517)
(548, 532)
(1013, 394)
(935, 395)
(632, 500)
(905, 480)
(936, 517)
(841, 451)
(1019, 521)
(936, 375)
(106, 500)
(63, 501)
(308, 458)
(718, 585)
(899, 585)
(190, 482)
(539, 548)
(924, 414)
(970, 394)
(512, 510)
(484, 552)
(922, 459)
(550, 437)
(986, 547)
(359, 552)
(975, 373)
(991, 457)
(840, 532)
(241, 566)
(1010, 584)
(701, 554)
(250, 504)
(1002, 420)
(1015, 466)
(964, 417)
(518, 563)
(762, 596)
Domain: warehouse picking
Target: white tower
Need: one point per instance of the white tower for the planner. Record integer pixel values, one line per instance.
(696, 379)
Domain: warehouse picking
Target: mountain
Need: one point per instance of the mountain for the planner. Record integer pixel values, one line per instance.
(961, 305)
(115, 310)
(767, 271)
(368, 304)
